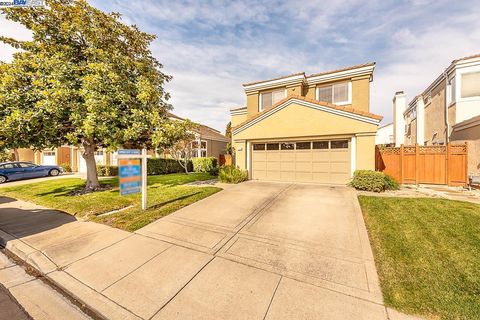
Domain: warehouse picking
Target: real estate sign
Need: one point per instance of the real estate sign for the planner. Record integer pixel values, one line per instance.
(130, 175)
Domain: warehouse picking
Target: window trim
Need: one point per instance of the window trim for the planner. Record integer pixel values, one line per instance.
(198, 151)
(260, 104)
(348, 101)
(461, 87)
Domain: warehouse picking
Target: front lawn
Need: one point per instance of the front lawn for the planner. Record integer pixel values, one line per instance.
(166, 193)
(427, 253)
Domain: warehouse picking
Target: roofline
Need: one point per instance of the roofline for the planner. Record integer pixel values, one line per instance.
(278, 78)
(319, 105)
(472, 122)
(347, 70)
(385, 125)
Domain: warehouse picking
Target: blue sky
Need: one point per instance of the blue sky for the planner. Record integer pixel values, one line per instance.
(212, 47)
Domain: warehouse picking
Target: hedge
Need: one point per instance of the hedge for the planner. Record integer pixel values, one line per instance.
(157, 166)
(107, 171)
(232, 174)
(205, 164)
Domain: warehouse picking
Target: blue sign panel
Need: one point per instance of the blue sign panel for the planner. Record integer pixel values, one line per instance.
(130, 176)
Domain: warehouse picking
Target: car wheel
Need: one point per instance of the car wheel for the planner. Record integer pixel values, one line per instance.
(54, 172)
(2, 179)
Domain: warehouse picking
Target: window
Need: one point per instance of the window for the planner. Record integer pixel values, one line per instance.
(272, 146)
(199, 152)
(451, 95)
(341, 144)
(287, 146)
(471, 84)
(304, 145)
(99, 153)
(49, 153)
(339, 93)
(320, 145)
(268, 99)
(26, 165)
(7, 166)
(257, 147)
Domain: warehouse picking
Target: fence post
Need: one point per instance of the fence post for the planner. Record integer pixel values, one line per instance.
(447, 165)
(466, 164)
(401, 164)
(417, 155)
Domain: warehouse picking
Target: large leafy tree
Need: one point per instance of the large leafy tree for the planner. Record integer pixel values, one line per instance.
(85, 79)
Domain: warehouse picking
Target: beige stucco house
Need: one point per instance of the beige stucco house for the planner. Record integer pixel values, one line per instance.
(209, 143)
(316, 128)
(448, 110)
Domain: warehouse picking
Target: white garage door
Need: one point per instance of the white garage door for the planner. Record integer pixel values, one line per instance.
(49, 158)
(303, 161)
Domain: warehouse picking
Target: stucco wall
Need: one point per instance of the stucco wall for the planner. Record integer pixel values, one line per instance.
(472, 136)
(215, 148)
(237, 119)
(435, 115)
(361, 93)
(26, 155)
(365, 152)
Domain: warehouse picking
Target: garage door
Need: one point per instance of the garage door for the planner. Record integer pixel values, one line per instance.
(303, 161)
(49, 158)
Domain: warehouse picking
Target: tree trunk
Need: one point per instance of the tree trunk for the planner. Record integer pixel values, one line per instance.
(89, 155)
(186, 165)
(15, 154)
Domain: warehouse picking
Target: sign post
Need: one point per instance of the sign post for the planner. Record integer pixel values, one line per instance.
(132, 173)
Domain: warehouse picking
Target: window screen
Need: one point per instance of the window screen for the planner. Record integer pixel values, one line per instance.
(271, 98)
(304, 145)
(258, 147)
(470, 84)
(340, 144)
(325, 94)
(340, 92)
(320, 145)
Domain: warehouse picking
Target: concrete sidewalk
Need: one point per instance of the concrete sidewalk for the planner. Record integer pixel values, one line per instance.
(252, 251)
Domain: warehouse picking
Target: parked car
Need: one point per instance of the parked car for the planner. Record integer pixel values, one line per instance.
(10, 171)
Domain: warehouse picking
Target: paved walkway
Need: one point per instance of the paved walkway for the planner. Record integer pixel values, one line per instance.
(253, 251)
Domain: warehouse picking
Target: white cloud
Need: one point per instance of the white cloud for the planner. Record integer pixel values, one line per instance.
(13, 30)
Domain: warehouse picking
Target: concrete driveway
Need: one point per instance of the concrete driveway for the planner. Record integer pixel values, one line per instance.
(286, 251)
(252, 251)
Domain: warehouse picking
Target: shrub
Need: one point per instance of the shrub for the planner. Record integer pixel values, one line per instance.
(66, 167)
(205, 164)
(107, 171)
(375, 181)
(232, 174)
(157, 166)
(391, 183)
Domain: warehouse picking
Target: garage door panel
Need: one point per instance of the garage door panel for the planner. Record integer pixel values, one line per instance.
(302, 165)
(259, 156)
(273, 156)
(303, 156)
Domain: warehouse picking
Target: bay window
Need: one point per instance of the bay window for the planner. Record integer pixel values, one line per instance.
(470, 84)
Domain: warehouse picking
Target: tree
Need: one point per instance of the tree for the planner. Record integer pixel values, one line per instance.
(177, 138)
(228, 130)
(85, 79)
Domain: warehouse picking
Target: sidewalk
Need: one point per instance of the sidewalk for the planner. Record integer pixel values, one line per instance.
(122, 275)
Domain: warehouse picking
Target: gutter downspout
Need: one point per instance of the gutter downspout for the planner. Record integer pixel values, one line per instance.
(447, 126)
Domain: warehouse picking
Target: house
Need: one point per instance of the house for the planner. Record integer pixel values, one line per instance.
(385, 135)
(316, 128)
(448, 110)
(209, 143)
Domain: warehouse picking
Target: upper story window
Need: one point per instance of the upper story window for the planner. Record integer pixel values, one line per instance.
(470, 84)
(268, 99)
(339, 93)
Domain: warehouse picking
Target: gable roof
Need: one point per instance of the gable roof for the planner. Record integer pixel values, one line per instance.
(325, 106)
(204, 131)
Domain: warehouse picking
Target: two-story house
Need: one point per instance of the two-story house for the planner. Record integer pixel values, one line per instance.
(448, 110)
(316, 128)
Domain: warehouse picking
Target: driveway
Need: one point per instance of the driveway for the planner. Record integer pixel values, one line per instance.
(302, 249)
(256, 250)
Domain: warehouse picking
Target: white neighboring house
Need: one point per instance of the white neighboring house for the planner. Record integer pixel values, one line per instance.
(385, 135)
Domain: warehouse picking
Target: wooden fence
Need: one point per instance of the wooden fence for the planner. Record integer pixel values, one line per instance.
(425, 164)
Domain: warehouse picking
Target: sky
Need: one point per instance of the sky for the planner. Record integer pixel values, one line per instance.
(212, 47)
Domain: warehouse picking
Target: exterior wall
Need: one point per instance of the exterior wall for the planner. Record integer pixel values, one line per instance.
(365, 152)
(361, 94)
(252, 104)
(215, 148)
(385, 135)
(237, 119)
(310, 92)
(27, 155)
(411, 134)
(399, 105)
(435, 115)
(240, 147)
(472, 136)
(295, 90)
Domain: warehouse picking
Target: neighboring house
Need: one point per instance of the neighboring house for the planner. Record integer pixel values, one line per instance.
(448, 110)
(315, 128)
(385, 135)
(209, 143)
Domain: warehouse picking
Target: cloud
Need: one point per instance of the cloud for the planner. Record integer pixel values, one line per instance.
(13, 30)
(212, 47)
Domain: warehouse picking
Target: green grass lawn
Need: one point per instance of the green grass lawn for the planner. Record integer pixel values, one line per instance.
(166, 193)
(427, 253)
